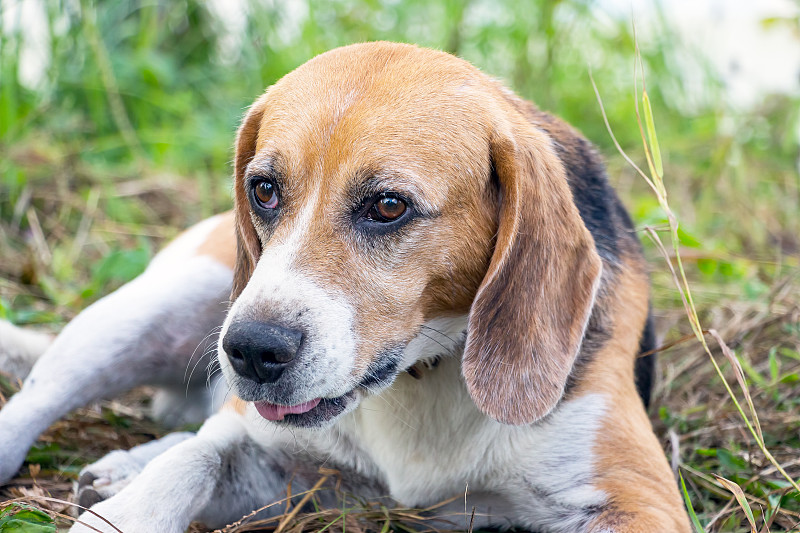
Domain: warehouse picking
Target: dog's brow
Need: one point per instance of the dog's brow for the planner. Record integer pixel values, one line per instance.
(267, 167)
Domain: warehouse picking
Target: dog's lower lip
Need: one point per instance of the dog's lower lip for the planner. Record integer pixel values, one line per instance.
(275, 412)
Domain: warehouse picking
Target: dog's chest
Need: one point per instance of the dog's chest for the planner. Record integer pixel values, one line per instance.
(428, 442)
(427, 439)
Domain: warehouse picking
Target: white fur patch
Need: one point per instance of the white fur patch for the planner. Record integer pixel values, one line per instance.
(277, 291)
(440, 336)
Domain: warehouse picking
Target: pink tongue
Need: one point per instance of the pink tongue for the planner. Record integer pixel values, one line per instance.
(273, 412)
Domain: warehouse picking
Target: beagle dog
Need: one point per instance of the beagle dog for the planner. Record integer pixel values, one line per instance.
(435, 292)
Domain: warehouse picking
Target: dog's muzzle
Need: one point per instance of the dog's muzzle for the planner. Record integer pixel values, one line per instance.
(271, 362)
(262, 353)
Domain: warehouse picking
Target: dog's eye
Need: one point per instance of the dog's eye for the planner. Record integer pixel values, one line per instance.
(387, 208)
(265, 194)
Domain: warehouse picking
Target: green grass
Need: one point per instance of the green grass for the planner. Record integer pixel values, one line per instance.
(128, 139)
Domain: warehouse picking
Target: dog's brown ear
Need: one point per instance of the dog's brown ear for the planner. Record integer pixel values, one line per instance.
(528, 318)
(248, 247)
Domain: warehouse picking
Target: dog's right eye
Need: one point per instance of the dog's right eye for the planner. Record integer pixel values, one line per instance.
(387, 208)
(265, 194)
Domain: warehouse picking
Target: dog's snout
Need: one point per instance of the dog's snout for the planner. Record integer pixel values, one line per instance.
(261, 351)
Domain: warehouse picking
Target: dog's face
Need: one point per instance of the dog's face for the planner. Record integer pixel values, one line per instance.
(382, 186)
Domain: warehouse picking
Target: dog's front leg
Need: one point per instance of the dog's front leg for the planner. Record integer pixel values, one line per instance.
(215, 477)
(631, 470)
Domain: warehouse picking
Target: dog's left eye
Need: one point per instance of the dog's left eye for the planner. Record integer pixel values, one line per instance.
(265, 194)
(387, 207)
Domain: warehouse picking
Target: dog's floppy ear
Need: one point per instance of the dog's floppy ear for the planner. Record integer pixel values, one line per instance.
(248, 247)
(528, 318)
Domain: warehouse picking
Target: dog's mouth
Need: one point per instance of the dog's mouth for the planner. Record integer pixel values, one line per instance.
(313, 413)
(321, 411)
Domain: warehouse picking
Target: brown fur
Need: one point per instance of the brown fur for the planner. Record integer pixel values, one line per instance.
(218, 241)
(237, 405)
(629, 464)
(248, 247)
(527, 321)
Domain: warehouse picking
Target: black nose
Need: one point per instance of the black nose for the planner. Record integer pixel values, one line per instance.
(261, 351)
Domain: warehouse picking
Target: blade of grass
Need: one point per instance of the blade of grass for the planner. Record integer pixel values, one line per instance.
(651, 133)
(288, 518)
(739, 373)
(740, 497)
(717, 489)
(118, 112)
(65, 502)
(698, 527)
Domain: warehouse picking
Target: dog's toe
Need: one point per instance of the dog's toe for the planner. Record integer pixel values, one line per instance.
(85, 493)
(86, 479)
(87, 497)
(106, 477)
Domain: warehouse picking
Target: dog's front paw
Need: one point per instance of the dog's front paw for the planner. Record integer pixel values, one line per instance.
(105, 478)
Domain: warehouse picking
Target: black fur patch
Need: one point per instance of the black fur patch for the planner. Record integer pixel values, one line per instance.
(383, 371)
(644, 371)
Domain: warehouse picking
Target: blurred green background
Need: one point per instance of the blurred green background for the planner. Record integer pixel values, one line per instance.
(123, 135)
(137, 96)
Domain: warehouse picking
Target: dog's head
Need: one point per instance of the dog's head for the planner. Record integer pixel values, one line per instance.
(379, 187)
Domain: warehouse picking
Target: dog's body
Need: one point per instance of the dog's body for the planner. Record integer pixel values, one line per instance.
(393, 207)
